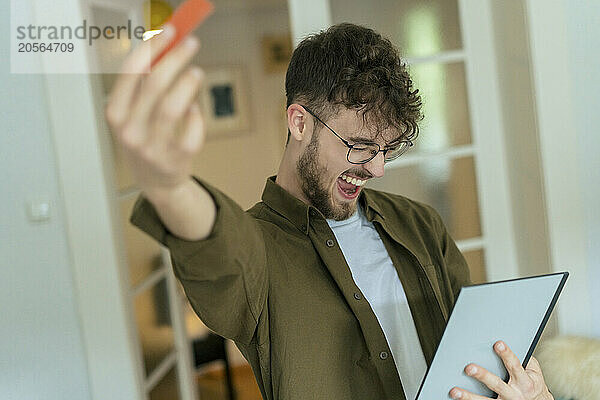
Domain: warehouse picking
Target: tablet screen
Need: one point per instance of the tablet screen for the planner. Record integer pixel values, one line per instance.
(515, 311)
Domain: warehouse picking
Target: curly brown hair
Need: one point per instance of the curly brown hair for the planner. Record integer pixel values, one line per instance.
(355, 67)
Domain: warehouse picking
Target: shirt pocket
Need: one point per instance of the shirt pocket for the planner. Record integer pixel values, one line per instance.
(432, 277)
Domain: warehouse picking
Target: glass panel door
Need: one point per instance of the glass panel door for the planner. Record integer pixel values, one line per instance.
(418, 28)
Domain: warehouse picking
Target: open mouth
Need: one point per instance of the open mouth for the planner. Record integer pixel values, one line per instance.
(349, 186)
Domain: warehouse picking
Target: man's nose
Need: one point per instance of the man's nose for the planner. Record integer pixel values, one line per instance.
(375, 166)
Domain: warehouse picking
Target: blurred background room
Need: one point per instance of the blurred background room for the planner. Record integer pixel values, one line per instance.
(507, 154)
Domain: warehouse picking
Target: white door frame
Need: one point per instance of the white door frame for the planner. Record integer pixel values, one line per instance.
(100, 269)
(488, 137)
(96, 258)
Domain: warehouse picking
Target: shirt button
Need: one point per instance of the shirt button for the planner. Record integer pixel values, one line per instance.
(383, 355)
(357, 296)
(329, 243)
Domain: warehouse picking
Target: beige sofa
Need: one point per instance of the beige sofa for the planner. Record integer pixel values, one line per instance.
(571, 367)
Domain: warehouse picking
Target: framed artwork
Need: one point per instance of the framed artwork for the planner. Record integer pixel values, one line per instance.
(223, 99)
(277, 52)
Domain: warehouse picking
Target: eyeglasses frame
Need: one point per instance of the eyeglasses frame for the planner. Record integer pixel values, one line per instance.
(351, 146)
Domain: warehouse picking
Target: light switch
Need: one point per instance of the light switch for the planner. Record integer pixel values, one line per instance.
(38, 211)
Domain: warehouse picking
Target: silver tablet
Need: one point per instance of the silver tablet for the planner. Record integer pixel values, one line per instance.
(515, 311)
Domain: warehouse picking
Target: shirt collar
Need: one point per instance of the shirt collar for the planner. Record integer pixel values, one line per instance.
(370, 205)
(299, 213)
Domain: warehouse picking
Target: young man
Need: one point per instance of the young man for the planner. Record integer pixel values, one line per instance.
(331, 291)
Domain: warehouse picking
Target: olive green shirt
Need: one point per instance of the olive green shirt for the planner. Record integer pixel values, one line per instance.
(274, 280)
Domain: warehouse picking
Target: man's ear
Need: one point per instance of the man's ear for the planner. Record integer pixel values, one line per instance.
(297, 119)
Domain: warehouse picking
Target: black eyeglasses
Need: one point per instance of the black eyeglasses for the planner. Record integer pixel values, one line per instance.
(361, 153)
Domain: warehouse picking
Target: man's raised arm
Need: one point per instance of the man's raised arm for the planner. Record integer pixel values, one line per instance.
(157, 123)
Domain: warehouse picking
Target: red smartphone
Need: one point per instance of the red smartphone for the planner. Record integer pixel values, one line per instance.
(187, 17)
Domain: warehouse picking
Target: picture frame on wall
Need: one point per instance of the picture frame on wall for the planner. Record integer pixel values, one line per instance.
(277, 52)
(223, 99)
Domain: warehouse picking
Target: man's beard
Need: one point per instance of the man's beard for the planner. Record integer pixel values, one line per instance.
(311, 172)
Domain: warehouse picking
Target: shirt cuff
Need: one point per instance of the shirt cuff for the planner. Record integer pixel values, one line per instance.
(145, 217)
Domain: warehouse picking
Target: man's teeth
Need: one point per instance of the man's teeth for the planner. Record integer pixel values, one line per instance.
(354, 181)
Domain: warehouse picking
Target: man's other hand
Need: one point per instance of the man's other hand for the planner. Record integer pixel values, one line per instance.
(523, 384)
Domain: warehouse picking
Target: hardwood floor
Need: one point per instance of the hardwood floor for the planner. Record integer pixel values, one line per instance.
(211, 385)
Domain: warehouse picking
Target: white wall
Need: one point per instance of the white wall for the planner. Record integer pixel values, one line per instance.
(521, 137)
(42, 353)
(522, 141)
(233, 37)
(563, 39)
(583, 38)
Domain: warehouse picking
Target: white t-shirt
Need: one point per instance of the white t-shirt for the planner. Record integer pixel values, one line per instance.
(375, 275)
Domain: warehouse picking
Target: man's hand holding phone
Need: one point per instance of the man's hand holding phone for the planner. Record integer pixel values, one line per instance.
(156, 121)
(154, 116)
